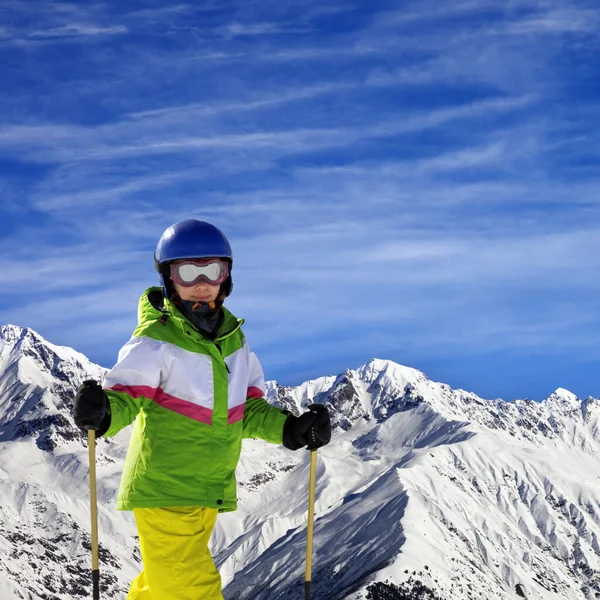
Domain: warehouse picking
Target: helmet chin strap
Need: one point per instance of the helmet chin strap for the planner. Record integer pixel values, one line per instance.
(205, 316)
(199, 307)
(211, 305)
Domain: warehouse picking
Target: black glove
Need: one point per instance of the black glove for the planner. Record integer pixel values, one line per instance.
(312, 429)
(91, 408)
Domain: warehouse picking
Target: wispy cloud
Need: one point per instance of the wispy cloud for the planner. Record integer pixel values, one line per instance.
(556, 21)
(433, 11)
(196, 110)
(72, 143)
(75, 29)
(49, 22)
(104, 195)
(249, 29)
(159, 14)
(417, 183)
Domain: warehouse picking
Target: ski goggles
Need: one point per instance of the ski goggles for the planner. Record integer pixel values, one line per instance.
(191, 272)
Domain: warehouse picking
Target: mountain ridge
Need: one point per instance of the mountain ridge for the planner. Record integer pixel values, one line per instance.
(422, 485)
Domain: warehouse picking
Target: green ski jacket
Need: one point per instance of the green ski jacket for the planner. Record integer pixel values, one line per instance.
(193, 400)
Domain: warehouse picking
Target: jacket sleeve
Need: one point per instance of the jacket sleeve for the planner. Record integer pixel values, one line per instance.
(134, 381)
(261, 420)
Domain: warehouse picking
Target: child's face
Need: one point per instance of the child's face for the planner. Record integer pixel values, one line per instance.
(201, 291)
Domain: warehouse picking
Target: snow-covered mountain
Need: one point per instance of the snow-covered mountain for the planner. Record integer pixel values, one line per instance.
(44, 486)
(424, 492)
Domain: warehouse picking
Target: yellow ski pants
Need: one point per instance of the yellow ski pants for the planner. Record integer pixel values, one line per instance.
(175, 554)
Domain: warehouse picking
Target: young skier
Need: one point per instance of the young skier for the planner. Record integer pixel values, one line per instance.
(195, 388)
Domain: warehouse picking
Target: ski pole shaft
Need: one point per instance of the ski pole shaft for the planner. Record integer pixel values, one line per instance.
(94, 514)
(311, 518)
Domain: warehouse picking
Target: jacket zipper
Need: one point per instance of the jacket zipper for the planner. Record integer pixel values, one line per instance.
(222, 357)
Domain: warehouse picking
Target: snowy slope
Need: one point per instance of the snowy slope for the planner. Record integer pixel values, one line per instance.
(44, 493)
(478, 497)
(421, 483)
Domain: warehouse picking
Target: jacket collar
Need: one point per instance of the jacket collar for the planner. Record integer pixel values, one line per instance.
(153, 307)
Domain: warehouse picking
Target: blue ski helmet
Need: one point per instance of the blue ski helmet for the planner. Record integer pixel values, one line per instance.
(191, 238)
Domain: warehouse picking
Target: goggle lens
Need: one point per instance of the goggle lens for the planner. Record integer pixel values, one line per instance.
(190, 273)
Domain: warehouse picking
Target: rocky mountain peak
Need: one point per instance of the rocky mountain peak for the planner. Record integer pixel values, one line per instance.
(17, 343)
(37, 387)
(377, 368)
(562, 401)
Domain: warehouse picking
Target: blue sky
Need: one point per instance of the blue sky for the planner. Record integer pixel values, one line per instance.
(416, 181)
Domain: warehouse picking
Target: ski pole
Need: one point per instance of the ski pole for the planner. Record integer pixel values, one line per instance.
(94, 511)
(311, 518)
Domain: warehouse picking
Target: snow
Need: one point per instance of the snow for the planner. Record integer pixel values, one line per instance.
(472, 497)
